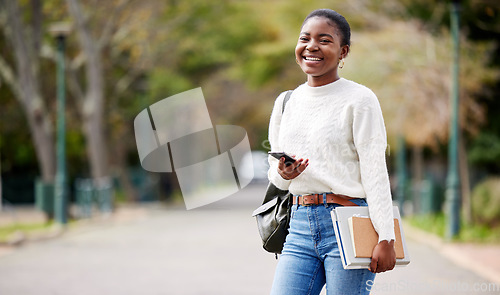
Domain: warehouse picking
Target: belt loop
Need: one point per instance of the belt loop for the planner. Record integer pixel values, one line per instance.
(324, 199)
(297, 202)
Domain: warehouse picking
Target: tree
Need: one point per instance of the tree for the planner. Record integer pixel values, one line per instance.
(118, 47)
(93, 102)
(25, 41)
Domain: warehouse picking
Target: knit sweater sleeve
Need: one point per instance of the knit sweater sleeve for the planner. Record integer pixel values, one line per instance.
(370, 140)
(274, 128)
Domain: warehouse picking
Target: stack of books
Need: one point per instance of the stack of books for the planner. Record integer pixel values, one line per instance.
(357, 238)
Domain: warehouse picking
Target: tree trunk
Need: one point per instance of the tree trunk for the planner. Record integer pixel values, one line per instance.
(43, 138)
(94, 98)
(121, 169)
(27, 91)
(96, 147)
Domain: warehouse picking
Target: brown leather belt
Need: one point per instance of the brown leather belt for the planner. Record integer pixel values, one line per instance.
(317, 199)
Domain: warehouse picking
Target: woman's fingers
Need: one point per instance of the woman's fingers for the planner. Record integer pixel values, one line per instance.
(302, 166)
(293, 170)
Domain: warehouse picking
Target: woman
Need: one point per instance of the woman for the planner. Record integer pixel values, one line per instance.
(335, 128)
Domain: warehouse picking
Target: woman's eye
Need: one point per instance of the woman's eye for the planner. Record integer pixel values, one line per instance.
(325, 41)
(303, 39)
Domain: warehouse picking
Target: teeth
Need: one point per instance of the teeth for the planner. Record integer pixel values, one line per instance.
(312, 58)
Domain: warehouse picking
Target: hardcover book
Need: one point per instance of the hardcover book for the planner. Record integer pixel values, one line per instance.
(363, 238)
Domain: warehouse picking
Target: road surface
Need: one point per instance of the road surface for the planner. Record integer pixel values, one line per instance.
(213, 250)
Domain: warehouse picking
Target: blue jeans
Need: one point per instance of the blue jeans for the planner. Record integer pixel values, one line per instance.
(311, 257)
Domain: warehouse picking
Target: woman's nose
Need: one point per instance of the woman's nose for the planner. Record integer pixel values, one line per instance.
(312, 46)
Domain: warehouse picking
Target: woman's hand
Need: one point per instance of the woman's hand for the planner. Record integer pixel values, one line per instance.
(293, 170)
(383, 257)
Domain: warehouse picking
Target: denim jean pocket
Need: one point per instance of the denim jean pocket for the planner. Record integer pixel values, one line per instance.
(292, 212)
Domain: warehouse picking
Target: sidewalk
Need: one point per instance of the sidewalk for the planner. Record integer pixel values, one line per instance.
(20, 214)
(482, 259)
(28, 214)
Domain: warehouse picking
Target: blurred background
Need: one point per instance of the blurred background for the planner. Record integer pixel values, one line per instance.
(120, 56)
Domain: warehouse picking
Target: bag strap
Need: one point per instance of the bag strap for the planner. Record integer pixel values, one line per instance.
(287, 98)
(272, 191)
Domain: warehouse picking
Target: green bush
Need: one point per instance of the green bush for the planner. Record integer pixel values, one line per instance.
(486, 202)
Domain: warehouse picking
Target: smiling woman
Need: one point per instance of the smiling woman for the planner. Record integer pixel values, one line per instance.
(322, 45)
(335, 128)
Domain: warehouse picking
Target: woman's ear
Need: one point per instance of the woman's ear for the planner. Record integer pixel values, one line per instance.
(344, 51)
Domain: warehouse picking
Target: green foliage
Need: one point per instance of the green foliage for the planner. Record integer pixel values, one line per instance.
(209, 35)
(436, 224)
(17, 151)
(480, 18)
(434, 12)
(485, 149)
(486, 202)
(25, 228)
(75, 143)
(163, 83)
(433, 223)
(267, 66)
(480, 233)
(16, 148)
(75, 151)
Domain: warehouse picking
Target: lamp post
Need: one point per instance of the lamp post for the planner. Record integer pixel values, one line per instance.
(60, 31)
(453, 180)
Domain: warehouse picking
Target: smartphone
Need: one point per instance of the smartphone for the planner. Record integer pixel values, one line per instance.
(278, 155)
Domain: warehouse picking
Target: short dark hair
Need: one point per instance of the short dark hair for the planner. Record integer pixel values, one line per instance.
(337, 18)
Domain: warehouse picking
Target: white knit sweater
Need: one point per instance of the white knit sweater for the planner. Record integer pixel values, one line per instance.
(339, 127)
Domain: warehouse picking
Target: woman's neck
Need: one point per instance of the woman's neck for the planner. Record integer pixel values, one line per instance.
(322, 80)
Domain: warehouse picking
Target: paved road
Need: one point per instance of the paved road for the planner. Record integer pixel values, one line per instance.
(214, 250)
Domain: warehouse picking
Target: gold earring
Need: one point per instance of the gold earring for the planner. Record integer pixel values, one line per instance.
(297, 61)
(341, 65)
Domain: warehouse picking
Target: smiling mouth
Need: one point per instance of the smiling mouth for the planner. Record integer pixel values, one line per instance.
(310, 58)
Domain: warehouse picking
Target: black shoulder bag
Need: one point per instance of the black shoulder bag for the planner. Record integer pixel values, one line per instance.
(273, 217)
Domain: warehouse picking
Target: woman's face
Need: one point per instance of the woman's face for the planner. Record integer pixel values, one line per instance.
(319, 51)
